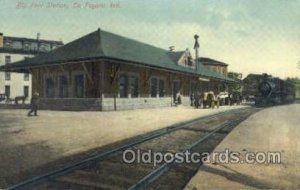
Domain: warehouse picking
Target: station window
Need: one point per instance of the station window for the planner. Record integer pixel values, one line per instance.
(161, 87)
(42, 47)
(26, 91)
(123, 85)
(47, 47)
(34, 46)
(26, 46)
(7, 91)
(7, 59)
(79, 86)
(49, 88)
(134, 86)
(7, 75)
(26, 76)
(8, 44)
(157, 87)
(17, 45)
(63, 87)
(189, 61)
(176, 88)
(153, 87)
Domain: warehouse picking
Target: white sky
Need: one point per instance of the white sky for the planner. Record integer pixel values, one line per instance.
(252, 36)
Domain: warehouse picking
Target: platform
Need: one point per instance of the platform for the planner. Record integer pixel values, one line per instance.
(27, 143)
(274, 129)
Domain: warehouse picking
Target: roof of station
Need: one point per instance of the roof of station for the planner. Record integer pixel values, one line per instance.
(101, 44)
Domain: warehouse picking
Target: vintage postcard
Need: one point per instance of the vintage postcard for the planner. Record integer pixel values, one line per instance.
(149, 94)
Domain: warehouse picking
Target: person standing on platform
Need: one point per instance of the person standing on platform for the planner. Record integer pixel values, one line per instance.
(197, 100)
(34, 104)
(192, 99)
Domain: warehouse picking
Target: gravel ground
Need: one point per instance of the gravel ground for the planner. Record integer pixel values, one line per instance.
(274, 129)
(30, 142)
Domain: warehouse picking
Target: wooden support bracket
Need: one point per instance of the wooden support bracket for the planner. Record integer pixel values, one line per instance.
(47, 70)
(148, 75)
(114, 71)
(62, 68)
(87, 72)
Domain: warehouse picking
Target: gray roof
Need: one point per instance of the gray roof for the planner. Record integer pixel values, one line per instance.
(209, 61)
(105, 45)
(175, 55)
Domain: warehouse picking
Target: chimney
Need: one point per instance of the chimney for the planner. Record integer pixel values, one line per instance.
(1, 40)
(196, 47)
(38, 35)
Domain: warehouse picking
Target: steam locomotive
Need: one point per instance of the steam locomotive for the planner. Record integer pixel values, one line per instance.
(271, 90)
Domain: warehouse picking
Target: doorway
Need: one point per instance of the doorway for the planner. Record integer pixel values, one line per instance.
(176, 89)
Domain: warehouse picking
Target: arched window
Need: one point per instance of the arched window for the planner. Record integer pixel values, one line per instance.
(49, 88)
(63, 87)
(79, 86)
(134, 86)
(161, 88)
(153, 87)
(123, 86)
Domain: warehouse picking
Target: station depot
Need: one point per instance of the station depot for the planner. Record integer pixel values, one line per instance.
(104, 71)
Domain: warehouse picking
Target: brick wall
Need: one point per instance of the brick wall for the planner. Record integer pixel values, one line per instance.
(101, 82)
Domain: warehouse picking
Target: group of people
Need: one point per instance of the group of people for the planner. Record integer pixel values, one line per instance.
(207, 99)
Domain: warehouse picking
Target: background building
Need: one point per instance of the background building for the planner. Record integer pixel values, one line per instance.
(14, 49)
(214, 65)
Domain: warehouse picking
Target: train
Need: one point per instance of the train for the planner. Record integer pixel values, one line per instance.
(268, 90)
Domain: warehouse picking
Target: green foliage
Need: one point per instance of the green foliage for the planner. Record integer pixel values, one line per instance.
(235, 87)
(293, 80)
(235, 75)
(296, 82)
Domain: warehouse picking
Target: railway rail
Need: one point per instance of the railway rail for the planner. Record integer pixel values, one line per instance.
(107, 170)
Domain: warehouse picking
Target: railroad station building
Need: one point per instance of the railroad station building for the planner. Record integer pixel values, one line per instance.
(105, 71)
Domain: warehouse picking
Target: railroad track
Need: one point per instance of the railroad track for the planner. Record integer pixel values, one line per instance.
(107, 170)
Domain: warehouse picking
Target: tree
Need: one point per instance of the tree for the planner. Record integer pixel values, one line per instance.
(235, 87)
(235, 75)
(294, 80)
